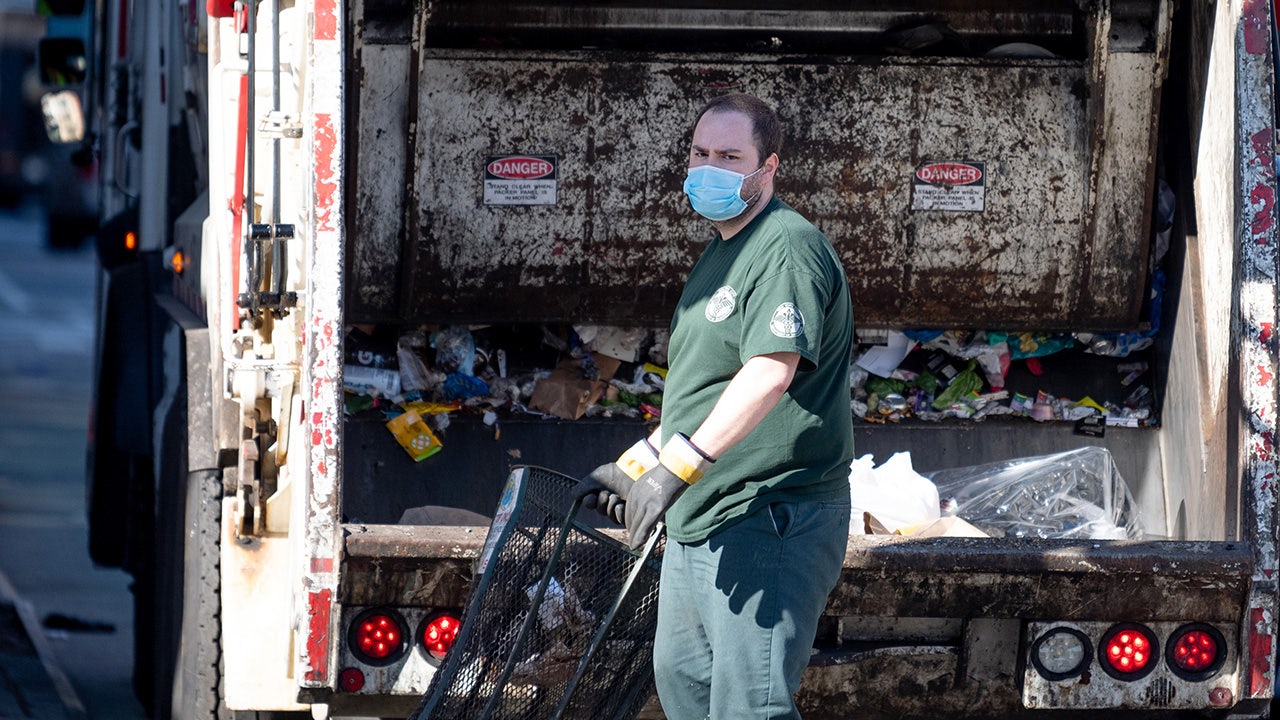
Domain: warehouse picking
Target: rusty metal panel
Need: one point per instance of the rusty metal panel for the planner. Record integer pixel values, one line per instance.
(415, 565)
(899, 682)
(1033, 578)
(620, 237)
(379, 192)
(892, 576)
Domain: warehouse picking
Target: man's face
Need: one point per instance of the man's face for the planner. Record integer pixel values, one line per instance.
(724, 139)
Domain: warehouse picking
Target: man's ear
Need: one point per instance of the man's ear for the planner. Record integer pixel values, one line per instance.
(772, 163)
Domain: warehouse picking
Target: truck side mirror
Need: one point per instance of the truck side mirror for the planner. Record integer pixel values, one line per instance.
(62, 62)
(63, 116)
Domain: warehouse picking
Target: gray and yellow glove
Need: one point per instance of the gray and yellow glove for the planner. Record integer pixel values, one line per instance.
(680, 464)
(605, 488)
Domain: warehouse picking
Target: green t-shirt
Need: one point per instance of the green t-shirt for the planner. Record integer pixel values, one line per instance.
(776, 286)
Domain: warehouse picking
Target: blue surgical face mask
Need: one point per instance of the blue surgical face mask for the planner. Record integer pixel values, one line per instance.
(715, 193)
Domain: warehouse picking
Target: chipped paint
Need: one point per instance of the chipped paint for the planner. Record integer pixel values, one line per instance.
(318, 539)
(1256, 316)
(319, 614)
(325, 141)
(326, 20)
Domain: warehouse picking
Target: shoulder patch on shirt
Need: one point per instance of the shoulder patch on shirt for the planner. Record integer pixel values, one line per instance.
(787, 321)
(721, 305)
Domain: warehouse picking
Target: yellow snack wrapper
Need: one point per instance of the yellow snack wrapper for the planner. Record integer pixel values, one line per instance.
(425, 407)
(1087, 401)
(414, 435)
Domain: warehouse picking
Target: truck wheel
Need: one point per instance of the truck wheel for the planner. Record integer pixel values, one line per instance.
(197, 673)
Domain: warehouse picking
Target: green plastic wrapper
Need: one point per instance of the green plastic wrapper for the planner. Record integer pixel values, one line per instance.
(966, 382)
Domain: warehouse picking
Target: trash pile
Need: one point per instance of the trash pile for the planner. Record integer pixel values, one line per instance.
(971, 375)
(1077, 494)
(417, 379)
(420, 377)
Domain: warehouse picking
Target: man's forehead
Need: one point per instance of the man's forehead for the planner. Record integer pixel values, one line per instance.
(723, 132)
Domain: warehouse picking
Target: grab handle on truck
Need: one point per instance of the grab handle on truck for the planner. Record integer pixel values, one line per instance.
(120, 166)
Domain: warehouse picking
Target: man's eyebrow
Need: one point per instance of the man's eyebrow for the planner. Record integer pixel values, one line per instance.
(722, 151)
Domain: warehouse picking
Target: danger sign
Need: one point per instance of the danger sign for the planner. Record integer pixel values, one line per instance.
(950, 186)
(520, 180)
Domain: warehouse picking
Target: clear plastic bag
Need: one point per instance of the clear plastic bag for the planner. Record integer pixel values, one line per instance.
(455, 350)
(1076, 494)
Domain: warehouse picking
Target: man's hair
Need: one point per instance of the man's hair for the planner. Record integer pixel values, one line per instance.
(766, 128)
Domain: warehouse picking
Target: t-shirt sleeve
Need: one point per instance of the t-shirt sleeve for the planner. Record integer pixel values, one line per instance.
(784, 313)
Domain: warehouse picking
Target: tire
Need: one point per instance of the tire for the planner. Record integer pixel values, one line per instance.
(196, 688)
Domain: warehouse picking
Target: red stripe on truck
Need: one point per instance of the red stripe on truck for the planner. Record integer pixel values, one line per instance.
(326, 142)
(1260, 653)
(326, 19)
(319, 610)
(1256, 24)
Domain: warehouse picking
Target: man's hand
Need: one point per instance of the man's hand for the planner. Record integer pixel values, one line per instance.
(605, 491)
(650, 497)
(680, 465)
(605, 488)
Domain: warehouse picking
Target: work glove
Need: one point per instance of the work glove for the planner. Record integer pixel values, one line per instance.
(605, 488)
(680, 464)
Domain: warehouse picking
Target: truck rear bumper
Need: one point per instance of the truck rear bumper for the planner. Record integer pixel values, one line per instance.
(915, 626)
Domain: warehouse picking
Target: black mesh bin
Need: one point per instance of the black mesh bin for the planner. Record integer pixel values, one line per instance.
(560, 620)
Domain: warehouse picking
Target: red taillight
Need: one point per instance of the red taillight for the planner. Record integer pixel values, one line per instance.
(1127, 651)
(351, 680)
(438, 634)
(377, 637)
(1196, 651)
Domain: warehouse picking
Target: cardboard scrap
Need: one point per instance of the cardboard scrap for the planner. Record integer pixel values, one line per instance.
(949, 526)
(565, 393)
(622, 343)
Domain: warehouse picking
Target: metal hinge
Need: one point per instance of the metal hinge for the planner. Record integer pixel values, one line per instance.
(268, 294)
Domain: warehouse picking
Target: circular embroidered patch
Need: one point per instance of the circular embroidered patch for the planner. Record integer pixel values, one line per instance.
(721, 305)
(787, 321)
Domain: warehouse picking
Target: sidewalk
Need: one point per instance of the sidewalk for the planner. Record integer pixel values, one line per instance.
(31, 683)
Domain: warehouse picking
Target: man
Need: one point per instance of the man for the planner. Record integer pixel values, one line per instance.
(750, 465)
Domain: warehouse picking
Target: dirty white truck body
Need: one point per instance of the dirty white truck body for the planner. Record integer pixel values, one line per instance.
(389, 113)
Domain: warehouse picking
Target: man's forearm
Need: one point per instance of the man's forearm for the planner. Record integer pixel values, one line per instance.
(753, 392)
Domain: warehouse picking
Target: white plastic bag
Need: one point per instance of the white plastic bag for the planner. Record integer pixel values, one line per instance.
(894, 493)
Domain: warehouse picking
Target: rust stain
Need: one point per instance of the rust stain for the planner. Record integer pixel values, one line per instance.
(621, 233)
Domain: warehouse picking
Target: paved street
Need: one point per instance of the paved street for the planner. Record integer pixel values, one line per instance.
(83, 614)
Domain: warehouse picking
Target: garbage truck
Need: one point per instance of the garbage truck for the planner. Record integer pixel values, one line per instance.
(303, 199)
